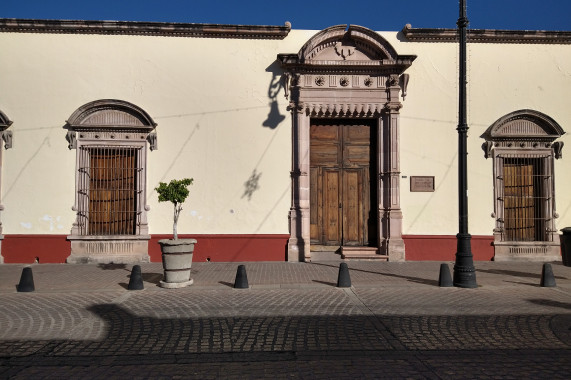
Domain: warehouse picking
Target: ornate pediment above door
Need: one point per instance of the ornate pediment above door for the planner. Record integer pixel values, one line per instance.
(347, 48)
(348, 71)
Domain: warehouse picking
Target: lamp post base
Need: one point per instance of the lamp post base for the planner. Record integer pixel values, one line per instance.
(464, 271)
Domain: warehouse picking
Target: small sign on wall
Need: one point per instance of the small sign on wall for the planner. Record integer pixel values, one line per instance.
(421, 183)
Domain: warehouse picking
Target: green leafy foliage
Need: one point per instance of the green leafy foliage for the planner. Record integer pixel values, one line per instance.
(176, 191)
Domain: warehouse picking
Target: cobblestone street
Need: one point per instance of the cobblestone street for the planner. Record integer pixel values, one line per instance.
(394, 322)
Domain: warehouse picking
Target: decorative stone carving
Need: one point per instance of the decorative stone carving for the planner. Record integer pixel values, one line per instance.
(344, 51)
(487, 148)
(286, 84)
(557, 149)
(320, 80)
(152, 139)
(71, 140)
(393, 80)
(350, 93)
(404, 84)
(7, 137)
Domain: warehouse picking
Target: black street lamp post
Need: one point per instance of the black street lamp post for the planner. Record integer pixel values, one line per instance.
(464, 271)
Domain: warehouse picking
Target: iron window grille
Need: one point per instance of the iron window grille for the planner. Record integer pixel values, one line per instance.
(525, 197)
(109, 190)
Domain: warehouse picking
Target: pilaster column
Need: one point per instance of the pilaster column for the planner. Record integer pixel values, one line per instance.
(7, 138)
(299, 241)
(391, 223)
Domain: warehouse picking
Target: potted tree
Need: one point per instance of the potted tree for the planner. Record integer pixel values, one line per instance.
(176, 253)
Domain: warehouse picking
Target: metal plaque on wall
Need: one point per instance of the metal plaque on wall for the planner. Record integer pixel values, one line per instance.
(422, 183)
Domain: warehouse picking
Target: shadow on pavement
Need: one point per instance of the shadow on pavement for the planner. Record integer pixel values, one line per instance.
(544, 302)
(355, 346)
(516, 273)
(409, 278)
(111, 266)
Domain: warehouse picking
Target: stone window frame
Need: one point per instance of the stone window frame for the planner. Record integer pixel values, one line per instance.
(525, 134)
(106, 124)
(341, 86)
(5, 123)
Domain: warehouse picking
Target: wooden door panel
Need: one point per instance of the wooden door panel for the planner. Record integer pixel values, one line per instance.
(327, 132)
(340, 190)
(519, 203)
(356, 155)
(331, 211)
(315, 189)
(352, 207)
(324, 154)
(358, 133)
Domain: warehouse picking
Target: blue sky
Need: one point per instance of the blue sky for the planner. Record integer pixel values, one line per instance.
(309, 14)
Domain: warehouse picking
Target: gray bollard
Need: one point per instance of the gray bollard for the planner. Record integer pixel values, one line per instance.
(343, 279)
(241, 278)
(26, 281)
(547, 278)
(445, 279)
(136, 280)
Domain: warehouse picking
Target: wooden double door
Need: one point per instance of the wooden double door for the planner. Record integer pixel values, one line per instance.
(343, 182)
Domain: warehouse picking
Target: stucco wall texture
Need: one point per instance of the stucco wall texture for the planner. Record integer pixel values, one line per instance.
(223, 120)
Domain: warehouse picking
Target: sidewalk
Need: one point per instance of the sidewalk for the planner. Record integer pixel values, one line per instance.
(293, 322)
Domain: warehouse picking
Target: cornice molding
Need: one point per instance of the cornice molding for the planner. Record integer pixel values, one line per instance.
(137, 28)
(488, 36)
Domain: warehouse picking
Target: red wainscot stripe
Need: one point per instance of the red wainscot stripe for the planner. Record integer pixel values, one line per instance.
(24, 249)
(443, 247)
(229, 248)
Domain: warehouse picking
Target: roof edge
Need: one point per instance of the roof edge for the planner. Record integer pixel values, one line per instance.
(488, 36)
(138, 28)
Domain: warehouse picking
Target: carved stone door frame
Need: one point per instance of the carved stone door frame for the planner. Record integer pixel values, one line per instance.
(347, 73)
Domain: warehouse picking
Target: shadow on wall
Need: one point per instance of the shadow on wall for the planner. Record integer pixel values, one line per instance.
(274, 117)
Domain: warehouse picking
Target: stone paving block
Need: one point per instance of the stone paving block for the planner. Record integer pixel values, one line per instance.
(394, 322)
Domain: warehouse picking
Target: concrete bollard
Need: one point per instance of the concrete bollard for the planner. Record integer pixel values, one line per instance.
(26, 281)
(136, 280)
(445, 279)
(343, 279)
(241, 281)
(547, 278)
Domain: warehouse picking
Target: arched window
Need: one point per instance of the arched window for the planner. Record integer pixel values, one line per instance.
(111, 139)
(522, 146)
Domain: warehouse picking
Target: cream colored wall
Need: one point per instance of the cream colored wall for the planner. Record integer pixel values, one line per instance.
(501, 79)
(210, 98)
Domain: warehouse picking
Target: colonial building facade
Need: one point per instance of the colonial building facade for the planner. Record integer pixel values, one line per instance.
(302, 144)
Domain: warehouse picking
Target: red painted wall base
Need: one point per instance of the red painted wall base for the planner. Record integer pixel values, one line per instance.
(230, 248)
(25, 249)
(443, 247)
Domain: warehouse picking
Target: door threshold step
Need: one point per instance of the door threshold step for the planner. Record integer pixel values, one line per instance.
(362, 253)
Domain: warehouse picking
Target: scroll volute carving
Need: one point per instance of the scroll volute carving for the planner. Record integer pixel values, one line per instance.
(7, 135)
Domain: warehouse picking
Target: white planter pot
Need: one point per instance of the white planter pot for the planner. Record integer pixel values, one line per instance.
(177, 261)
